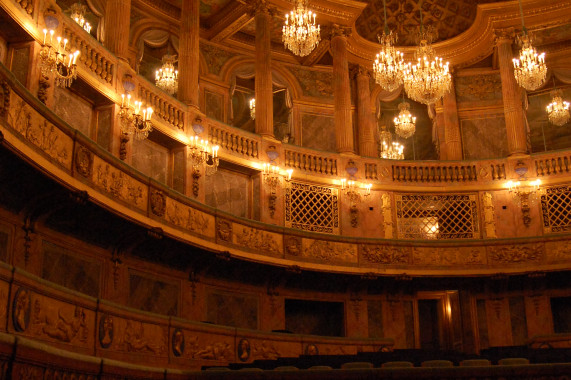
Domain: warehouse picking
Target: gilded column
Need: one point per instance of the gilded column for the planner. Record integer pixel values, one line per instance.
(513, 107)
(263, 68)
(117, 24)
(188, 57)
(367, 146)
(341, 92)
(453, 143)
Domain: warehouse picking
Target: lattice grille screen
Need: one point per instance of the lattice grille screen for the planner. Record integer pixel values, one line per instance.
(437, 216)
(556, 209)
(312, 208)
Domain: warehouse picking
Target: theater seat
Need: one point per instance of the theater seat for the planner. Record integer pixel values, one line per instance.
(320, 368)
(437, 363)
(356, 365)
(286, 368)
(475, 363)
(513, 361)
(397, 365)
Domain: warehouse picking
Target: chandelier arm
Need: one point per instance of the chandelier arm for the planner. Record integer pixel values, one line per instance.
(523, 28)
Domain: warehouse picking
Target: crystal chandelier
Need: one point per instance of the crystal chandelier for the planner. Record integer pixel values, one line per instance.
(167, 77)
(389, 149)
(253, 108)
(389, 63)
(201, 152)
(405, 122)
(78, 11)
(54, 58)
(135, 119)
(558, 109)
(529, 70)
(300, 34)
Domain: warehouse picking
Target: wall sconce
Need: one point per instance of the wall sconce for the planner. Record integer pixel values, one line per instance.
(253, 108)
(272, 178)
(200, 152)
(352, 190)
(78, 11)
(521, 193)
(135, 119)
(54, 58)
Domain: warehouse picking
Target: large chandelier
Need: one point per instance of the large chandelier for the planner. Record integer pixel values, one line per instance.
(167, 77)
(78, 11)
(55, 58)
(530, 70)
(389, 63)
(558, 109)
(300, 34)
(405, 122)
(389, 149)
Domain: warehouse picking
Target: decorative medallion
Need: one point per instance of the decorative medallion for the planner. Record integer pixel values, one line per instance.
(158, 202)
(244, 350)
(311, 349)
(21, 310)
(105, 330)
(178, 342)
(292, 245)
(83, 161)
(224, 230)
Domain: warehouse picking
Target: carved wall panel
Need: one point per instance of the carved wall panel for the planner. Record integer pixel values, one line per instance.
(266, 243)
(38, 131)
(119, 185)
(318, 84)
(449, 256)
(478, 88)
(327, 251)
(385, 254)
(188, 218)
(215, 57)
(75, 111)
(232, 309)
(558, 251)
(153, 294)
(203, 346)
(516, 254)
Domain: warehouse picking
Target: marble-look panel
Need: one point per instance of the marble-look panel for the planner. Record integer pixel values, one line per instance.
(487, 138)
(478, 88)
(151, 159)
(228, 191)
(318, 84)
(104, 121)
(518, 320)
(178, 170)
(315, 317)
(73, 272)
(75, 111)
(214, 104)
(236, 310)
(375, 318)
(153, 295)
(20, 64)
(318, 132)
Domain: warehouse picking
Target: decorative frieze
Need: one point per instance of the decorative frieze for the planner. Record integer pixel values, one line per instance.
(385, 254)
(516, 253)
(328, 251)
(118, 184)
(444, 256)
(186, 217)
(252, 238)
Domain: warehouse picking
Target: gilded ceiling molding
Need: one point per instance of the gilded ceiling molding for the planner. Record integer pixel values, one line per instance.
(161, 6)
(230, 22)
(343, 12)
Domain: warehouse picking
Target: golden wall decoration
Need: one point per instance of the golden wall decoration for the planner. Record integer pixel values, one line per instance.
(265, 242)
(489, 215)
(448, 256)
(329, 251)
(515, 254)
(188, 218)
(385, 254)
(558, 251)
(387, 211)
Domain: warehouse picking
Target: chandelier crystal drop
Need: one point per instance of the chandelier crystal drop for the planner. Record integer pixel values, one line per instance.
(530, 70)
(405, 123)
(389, 149)
(300, 34)
(167, 77)
(429, 78)
(78, 11)
(558, 109)
(388, 66)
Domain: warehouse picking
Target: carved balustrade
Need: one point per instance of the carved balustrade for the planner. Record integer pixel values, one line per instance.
(309, 161)
(548, 164)
(234, 140)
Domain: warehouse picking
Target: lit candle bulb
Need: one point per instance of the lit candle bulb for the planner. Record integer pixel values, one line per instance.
(215, 150)
(75, 55)
(51, 36)
(122, 100)
(45, 33)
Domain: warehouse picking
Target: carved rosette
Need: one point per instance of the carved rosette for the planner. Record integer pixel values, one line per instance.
(516, 254)
(158, 202)
(224, 230)
(83, 161)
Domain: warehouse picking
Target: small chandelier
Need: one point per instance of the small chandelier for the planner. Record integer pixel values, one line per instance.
(167, 77)
(78, 11)
(405, 122)
(389, 149)
(55, 59)
(300, 35)
(253, 108)
(530, 70)
(202, 152)
(135, 119)
(389, 63)
(558, 109)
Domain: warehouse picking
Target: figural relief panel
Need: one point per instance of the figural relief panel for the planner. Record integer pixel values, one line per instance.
(385, 254)
(38, 131)
(264, 242)
(184, 216)
(46, 318)
(202, 346)
(131, 336)
(328, 251)
(516, 254)
(449, 256)
(118, 184)
(478, 88)
(558, 251)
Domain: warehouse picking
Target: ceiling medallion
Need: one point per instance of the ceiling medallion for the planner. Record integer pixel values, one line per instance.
(167, 77)
(530, 70)
(405, 122)
(389, 63)
(300, 34)
(558, 109)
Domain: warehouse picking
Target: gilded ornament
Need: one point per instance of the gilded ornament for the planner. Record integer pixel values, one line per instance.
(329, 251)
(292, 245)
(158, 202)
(224, 229)
(513, 254)
(258, 240)
(83, 161)
(383, 254)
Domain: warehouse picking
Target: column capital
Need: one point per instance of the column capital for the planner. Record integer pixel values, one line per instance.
(261, 6)
(359, 71)
(339, 31)
(504, 36)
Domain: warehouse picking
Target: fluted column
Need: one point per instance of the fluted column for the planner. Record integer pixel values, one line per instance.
(263, 66)
(341, 92)
(188, 58)
(453, 143)
(117, 24)
(367, 146)
(513, 107)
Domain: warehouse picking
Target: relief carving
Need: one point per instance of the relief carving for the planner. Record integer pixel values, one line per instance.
(243, 349)
(4, 98)
(329, 251)
(118, 184)
(106, 330)
(178, 343)
(56, 374)
(185, 216)
(134, 339)
(314, 83)
(59, 325)
(158, 202)
(516, 253)
(29, 372)
(214, 351)
(383, 254)
(83, 161)
(224, 230)
(448, 256)
(558, 251)
(292, 245)
(40, 132)
(489, 221)
(259, 240)
(265, 351)
(387, 211)
(43, 89)
(481, 87)
(21, 308)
